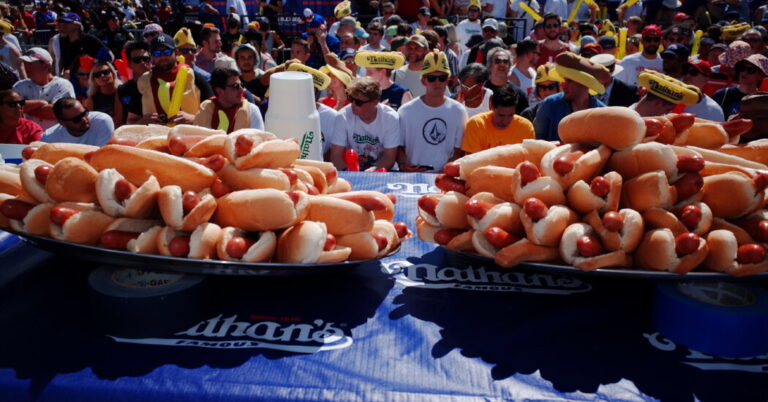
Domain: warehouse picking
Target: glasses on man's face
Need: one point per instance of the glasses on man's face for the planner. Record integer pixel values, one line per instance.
(102, 73)
(358, 102)
(468, 88)
(141, 59)
(77, 119)
(547, 87)
(14, 104)
(433, 78)
(550, 26)
(187, 50)
(500, 61)
(652, 39)
(164, 52)
(236, 86)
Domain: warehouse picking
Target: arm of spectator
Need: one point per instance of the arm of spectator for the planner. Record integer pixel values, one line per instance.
(41, 109)
(337, 157)
(407, 97)
(457, 153)
(387, 159)
(88, 103)
(405, 166)
(182, 118)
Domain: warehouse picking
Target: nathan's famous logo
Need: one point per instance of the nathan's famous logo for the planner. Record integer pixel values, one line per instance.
(381, 60)
(277, 333)
(704, 361)
(412, 190)
(365, 139)
(665, 90)
(306, 144)
(479, 279)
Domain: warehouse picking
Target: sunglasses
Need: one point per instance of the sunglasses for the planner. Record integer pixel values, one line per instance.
(358, 102)
(433, 78)
(76, 119)
(469, 88)
(652, 39)
(141, 59)
(501, 61)
(236, 86)
(188, 50)
(18, 103)
(165, 52)
(102, 73)
(548, 26)
(550, 87)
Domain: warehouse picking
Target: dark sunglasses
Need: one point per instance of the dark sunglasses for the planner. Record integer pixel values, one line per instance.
(236, 86)
(76, 119)
(547, 26)
(18, 103)
(501, 61)
(188, 50)
(102, 73)
(358, 102)
(652, 39)
(164, 52)
(432, 78)
(141, 59)
(550, 87)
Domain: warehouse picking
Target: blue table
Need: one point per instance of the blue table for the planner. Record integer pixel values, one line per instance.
(421, 324)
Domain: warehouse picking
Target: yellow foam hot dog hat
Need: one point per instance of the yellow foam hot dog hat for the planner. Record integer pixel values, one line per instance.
(734, 31)
(388, 60)
(583, 71)
(668, 88)
(340, 75)
(320, 79)
(435, 62)
(184, 37)
(342, 9)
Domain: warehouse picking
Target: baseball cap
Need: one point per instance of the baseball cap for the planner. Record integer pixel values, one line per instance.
(245, 46)
(419, 40)
(37, 54)
(162, 40)
(308, 14)
(347, 21)
(590, 49)
(425, 11)
(680, 15)
(703, 66)
(491, 22)
(677, 50)
(110, 15)
(757, 60)
(360, 32)
(70, 17)
(651, 30)
(347, 53)
(152, 28)
(607, 42)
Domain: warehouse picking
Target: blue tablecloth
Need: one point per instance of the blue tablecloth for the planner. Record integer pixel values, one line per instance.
(421, 324)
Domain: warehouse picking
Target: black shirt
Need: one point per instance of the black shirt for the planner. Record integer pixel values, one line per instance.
(256, 87)
(129, 92)
(522, 101)
(86, 44)
(115, 40)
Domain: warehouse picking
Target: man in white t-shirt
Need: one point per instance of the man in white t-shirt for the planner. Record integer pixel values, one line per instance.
(432, 126)
(409, 75)
(41, 90)
(470, 26)
(697, 72)
(375, 38)
(496, 8)
(79, 126)
(370, 128)
(648, 59)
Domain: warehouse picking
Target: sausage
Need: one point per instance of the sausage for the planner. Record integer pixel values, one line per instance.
(750, 254)
(15, 209)
(219, 189)
(59, 214)
(88, 155)
(535, 208)
(41, 173)
(117, 239)
(214, 162)
(176, 145)
(311, 189)
(600, 186)
(243, 145)
(613, 221)
(686, 243)
(123, 190)
(392, 197)
(368, 201)
(28, 152)
(690, 163)
(690, 216)
(452, 169)
(653, 127)
(528, 172)
(477, 209)
(189, 200)
(428, 204)
(589, 246)
(401, 228)
(295, 197)
(381, 240)
(443, 236)
(122, 141)
(237, 246)
(499, 237)
(330, 242)
(688, 185)
(448, 183)
(564, 164)
(292, 176)
(179, 246)
(681, 121)
(761, 182)
(758, 229)
(737, 126)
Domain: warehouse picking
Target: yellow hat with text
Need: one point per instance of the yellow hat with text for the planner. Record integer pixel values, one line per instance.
(435, 62)
(335, 72)
(320, 79)
(668, 88)
(388, 60)
(342, 9)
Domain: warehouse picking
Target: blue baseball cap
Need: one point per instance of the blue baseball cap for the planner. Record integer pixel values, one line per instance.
(70, 17)
(677, 50)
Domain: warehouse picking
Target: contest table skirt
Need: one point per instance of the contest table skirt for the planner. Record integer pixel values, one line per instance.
(419, 325)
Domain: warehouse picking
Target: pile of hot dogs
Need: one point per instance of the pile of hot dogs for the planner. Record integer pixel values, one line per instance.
(620, 191)
(197, 193)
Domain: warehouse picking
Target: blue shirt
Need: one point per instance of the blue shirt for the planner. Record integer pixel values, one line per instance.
(551, 111)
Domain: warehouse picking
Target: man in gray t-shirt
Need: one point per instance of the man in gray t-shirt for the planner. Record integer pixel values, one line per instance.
(41, 90)
(79, 126)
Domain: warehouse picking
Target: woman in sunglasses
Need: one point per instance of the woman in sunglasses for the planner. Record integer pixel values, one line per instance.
(102, 92)
(79, 74)
(751, 72)
(14, 128)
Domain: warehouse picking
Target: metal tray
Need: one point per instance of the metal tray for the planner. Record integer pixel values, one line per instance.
(562, 268)
(128, 259)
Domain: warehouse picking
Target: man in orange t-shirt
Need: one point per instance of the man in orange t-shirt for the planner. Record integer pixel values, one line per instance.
(500, 126)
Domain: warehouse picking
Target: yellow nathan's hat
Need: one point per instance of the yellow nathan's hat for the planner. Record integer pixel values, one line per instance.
(583, 71)
(184, 37)
(343, 9)
(435, 62)
(734, 31)
(340, 75)
(388, 60)
(474, 3)
(320, 79)
(547, 72)
(668, 88)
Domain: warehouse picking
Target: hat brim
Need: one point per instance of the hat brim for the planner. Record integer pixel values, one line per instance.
(595, 87)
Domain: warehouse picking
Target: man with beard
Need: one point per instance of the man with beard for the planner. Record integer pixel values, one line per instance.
(551, 45)
(664, 94)
(409, 75)
(648, 59)
(210, 48)
(674, 58)
(245, 57)
(139, 63)
(228, 110)
(156, 86)
(575, 95)
(79, 126)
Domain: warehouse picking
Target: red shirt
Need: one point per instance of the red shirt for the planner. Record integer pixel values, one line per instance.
(26, 132)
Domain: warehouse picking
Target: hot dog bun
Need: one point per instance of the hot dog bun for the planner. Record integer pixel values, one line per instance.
(648, 190)
(524, 250)
(627, 127)
(29, 181)
(261, 250)
(548, 230)
(207, 146)
(169, 199)
(723, 255)
(37, 221)
(72, 179)
(492, 179)
(731, 195)
(147, 230)
(657, 252)
(10, 182)
(254, 178)
(202, 241)
(56, 151)
(583, 200)
(627, 238)
(341, 217)
(363, 245)
(261, 210)
(141, 204)
(84, 227)
(448, 210)
(569, 251)
(303, 243)
(643, 158)
(133, 134)
(266, 151)
(378, 203)
(505, 215)
(584, 168)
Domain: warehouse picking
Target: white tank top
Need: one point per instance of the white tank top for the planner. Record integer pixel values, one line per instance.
(5, 57)
(526, 83)
(484, 105)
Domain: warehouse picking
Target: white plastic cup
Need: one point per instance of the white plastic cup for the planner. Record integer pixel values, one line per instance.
(292, 112)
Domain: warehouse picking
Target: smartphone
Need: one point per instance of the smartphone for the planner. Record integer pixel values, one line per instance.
(163, 118)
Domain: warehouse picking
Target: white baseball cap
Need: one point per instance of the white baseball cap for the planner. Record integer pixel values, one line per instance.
(37, 54)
